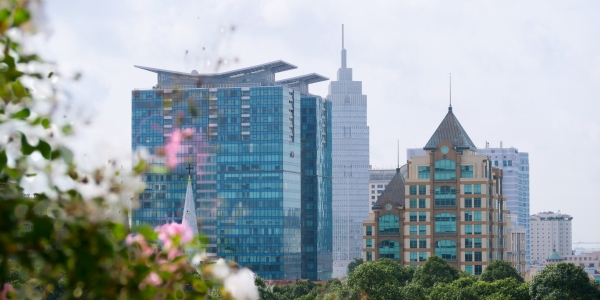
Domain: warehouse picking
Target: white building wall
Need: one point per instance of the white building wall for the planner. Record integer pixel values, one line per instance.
(548, 231)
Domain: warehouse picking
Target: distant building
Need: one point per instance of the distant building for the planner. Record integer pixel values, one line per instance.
(449, 203)
(550, 232)
(350, 166)
(516, 245)
(260, 156)
(378, 181)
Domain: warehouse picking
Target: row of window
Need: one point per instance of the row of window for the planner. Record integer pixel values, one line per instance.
(445, 223)
(422, 189)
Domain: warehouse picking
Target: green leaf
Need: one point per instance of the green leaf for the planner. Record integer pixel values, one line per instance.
(50, 74)
(31, 175)
(45, 149)
(18, 89)
(140, 167)
(21, 16)
(25, 147)
(14, 173)
(4, 14)
(46, 123)
(3, 160)
(22, 114)
(67, 129)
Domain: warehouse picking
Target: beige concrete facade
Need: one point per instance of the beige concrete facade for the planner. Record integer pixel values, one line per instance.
(550, 231)
(460, 218)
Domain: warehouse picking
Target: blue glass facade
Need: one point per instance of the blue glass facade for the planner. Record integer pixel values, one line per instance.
(316, 188)
(260, 200)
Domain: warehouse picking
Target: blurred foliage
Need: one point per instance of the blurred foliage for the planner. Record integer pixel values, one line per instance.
(353, 264)
(66, 243)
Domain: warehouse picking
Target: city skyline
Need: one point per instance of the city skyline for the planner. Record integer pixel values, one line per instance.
(531, 71)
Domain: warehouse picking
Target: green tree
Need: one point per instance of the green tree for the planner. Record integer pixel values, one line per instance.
(508, 288)
(353, 264)
(265, 292)
(563, 281)
(382, 279)
(414, 292)
(435, 270)
(500, 269)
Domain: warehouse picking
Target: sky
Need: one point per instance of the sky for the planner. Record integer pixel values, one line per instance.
(526, 73)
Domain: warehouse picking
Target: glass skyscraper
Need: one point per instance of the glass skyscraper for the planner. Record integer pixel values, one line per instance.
(261, 201)
(350, 166)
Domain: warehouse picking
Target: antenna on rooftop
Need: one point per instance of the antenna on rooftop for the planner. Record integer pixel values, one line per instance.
(343, 50)
(398, 153)
(450, 107)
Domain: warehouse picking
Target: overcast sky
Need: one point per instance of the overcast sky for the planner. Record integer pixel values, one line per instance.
(526, 73)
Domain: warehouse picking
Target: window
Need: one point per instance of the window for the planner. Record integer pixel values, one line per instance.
(413, 217)
(369, 243)
(510, 163)
(468, 189)
(422, 256)
(477, 188)
(369, 256)
(466, 171)
(495, 163)
(478, 256)
(422, 230)
(422, 216)
(478, 269)
(477, 202)
(468, 243)
(445, 196)
(478, 243)
(445, 223)
(468, 202)
(422, 189)
(477, 229)
(504, 164)
(369, 230)
(446, 249)
(372, 186)
(413, 256)
(413, 243)
(468, 256)
(477, 216)
(424, 172)
(380, 186)
(469, 269)
(413, 229)
(445, 169)
(468, 216)
(422, 203)
(423, 243)
(412, 190)
(412, 203)
(389, 249)
(469, 229)
(388, 224)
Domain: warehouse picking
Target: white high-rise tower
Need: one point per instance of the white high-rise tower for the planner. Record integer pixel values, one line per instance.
(350, 158)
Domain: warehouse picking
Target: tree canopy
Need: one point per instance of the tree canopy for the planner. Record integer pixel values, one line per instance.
(563, 281)
(435, 270)
(500, 269)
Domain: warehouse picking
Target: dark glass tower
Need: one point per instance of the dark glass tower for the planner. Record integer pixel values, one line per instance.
(247, 154)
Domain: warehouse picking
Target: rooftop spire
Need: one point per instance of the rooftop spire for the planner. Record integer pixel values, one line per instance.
(343, 50)
(450, 107)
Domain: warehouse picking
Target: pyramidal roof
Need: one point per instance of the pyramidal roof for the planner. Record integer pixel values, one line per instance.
(189, 209)
(394, 192)
(450, 130)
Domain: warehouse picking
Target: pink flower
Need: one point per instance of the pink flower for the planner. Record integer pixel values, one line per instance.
(174, 144)
(153, 279)
(6, 288)
(167, 232)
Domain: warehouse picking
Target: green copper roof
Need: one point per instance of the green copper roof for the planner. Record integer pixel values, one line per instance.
(554, 255)
(450, 130)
